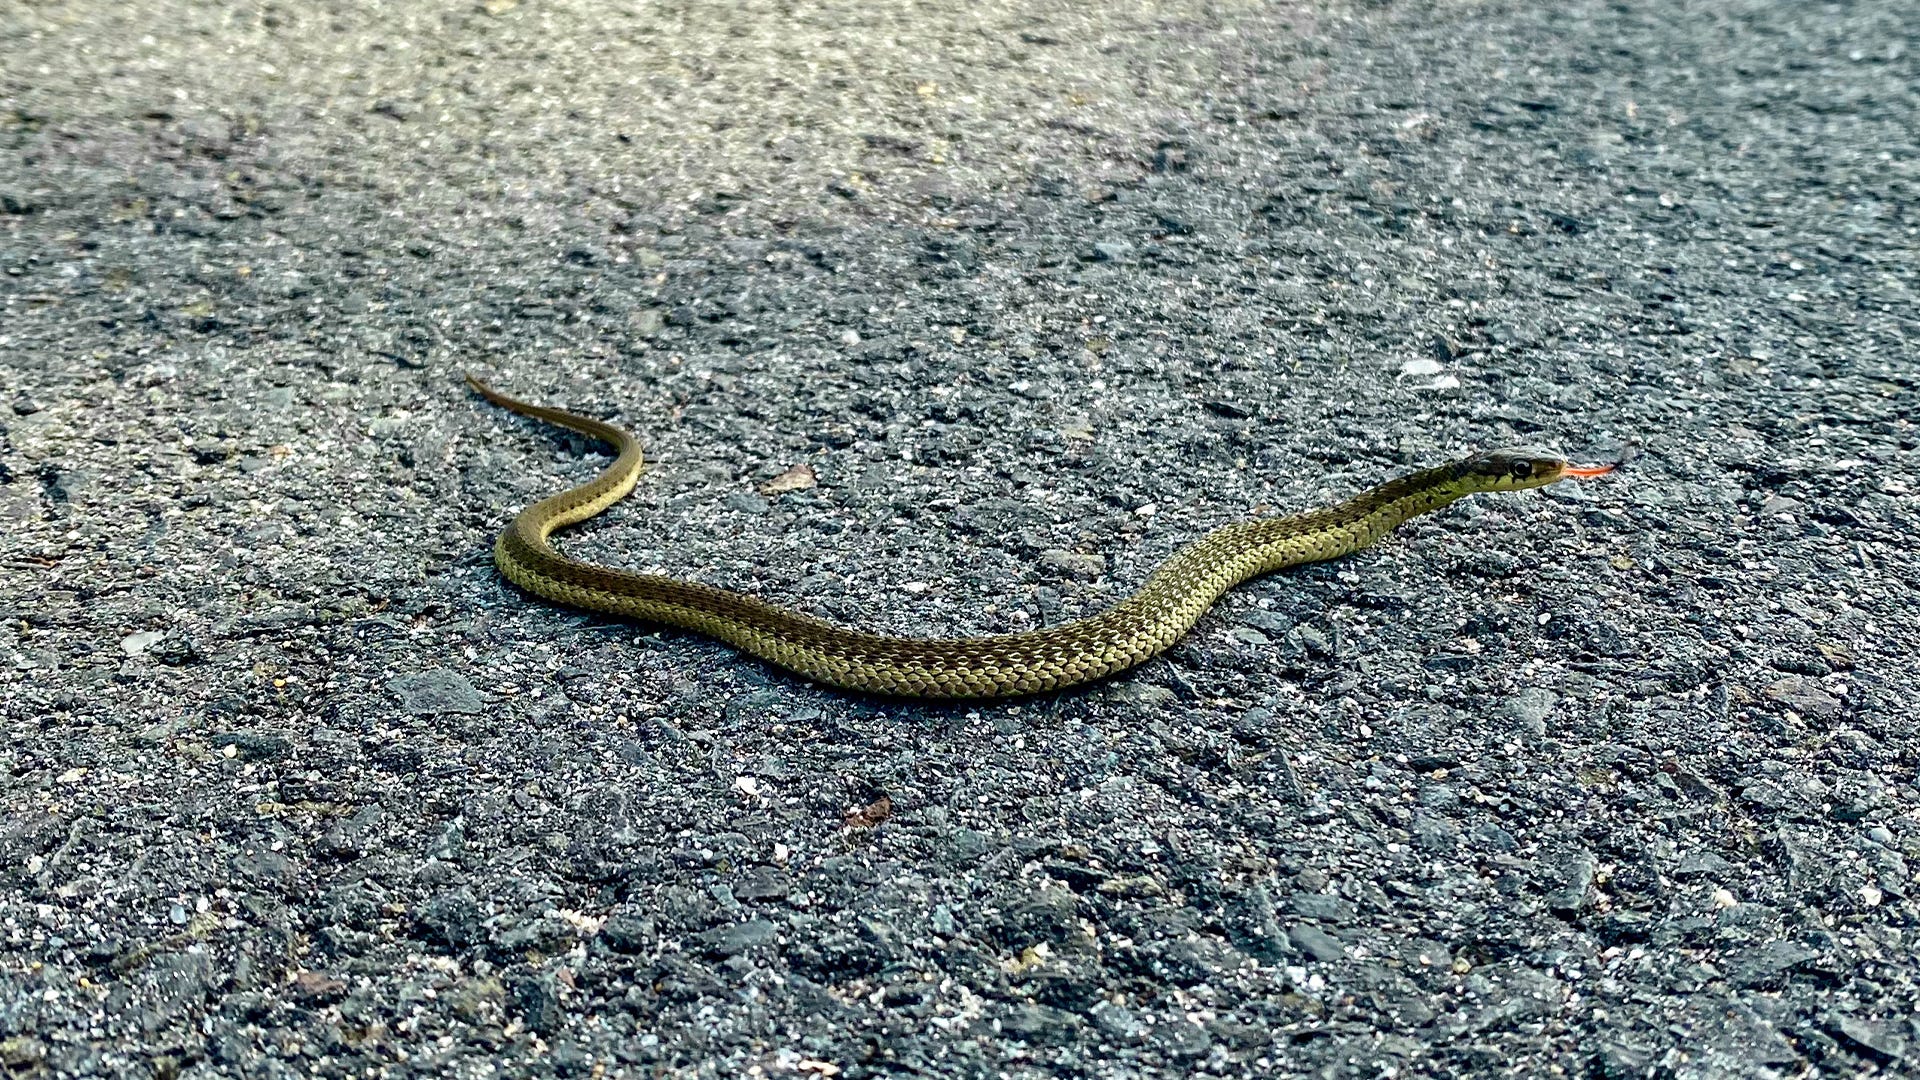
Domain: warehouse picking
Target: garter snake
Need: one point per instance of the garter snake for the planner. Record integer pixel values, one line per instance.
(1174, 597)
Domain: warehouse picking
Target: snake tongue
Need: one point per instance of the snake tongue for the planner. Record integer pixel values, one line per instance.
(1587, 471)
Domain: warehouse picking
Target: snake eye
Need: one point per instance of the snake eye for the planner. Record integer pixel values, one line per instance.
(1522, 470)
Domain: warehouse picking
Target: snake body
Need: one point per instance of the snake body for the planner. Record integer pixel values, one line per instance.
(1174, 597)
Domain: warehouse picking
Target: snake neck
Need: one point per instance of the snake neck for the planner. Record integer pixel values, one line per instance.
(1188, 583)
(1347, 527)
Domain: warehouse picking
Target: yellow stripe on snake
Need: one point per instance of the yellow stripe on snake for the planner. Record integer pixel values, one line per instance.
(998, 665)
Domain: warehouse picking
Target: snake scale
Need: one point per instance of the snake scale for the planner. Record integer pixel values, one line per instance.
(1174, 597)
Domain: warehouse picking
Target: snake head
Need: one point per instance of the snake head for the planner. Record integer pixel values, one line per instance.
(1514, 467)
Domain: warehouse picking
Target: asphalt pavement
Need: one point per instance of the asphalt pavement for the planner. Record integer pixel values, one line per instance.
(1612, 779)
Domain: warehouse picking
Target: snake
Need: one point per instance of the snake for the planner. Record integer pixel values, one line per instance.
(1176, 594)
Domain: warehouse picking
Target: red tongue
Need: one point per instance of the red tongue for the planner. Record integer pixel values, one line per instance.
(1585, 471)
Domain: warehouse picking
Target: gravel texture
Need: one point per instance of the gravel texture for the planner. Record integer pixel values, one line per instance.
(1616, 779)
